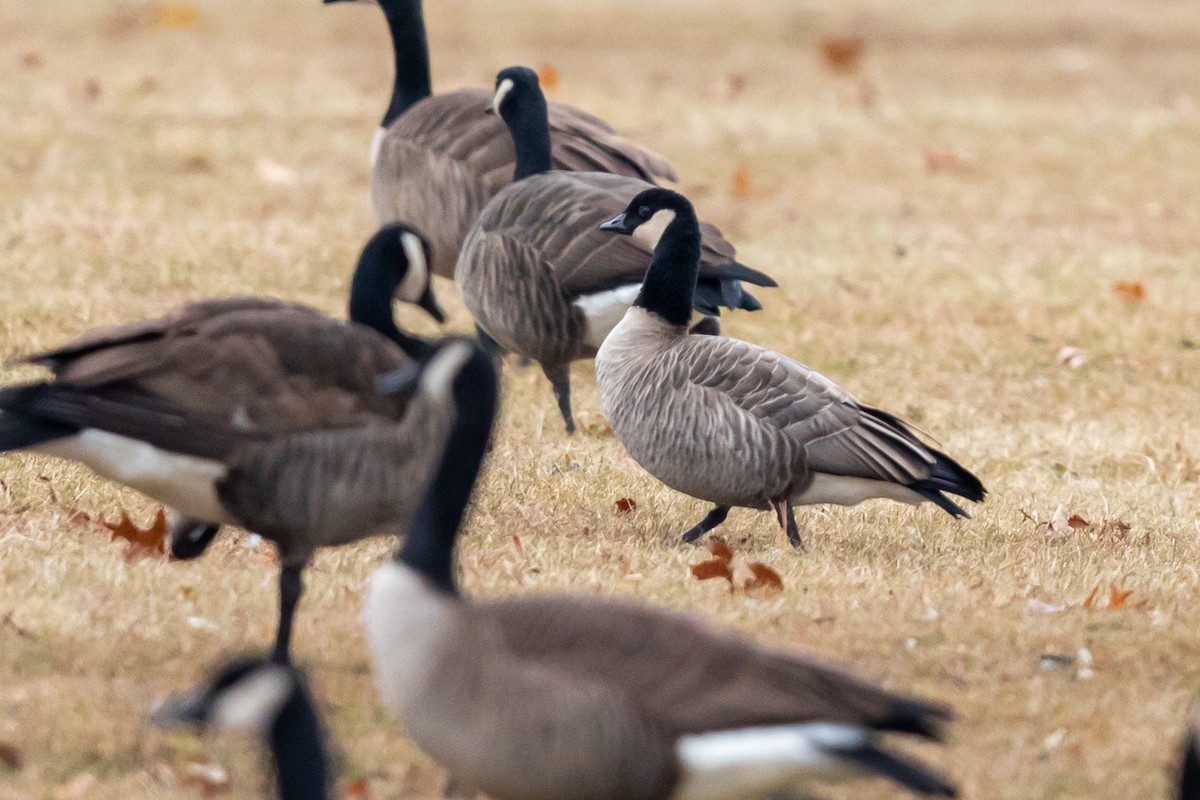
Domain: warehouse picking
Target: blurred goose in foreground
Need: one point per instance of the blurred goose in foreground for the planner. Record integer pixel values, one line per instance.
(253, 412)
(564, 697)
(437, 161)
(267, 699)
(1189, 773)
(737, 424)
(542, 280)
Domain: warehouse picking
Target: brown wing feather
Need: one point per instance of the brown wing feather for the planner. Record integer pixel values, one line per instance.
(559, 214)
(836, 433)
(683, 674)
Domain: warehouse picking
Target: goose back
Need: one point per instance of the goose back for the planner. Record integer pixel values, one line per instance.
(537, 245)
(447, 141)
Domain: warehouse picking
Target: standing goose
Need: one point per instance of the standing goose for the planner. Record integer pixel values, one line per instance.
(270, 700)
(538, 276)
(737, 424)
(577, 698)
(253, 412)
(436, 161)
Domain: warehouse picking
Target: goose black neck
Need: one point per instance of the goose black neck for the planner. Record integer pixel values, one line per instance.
(411, 50)
(429, 547)
(670, 284)
(529, 123)
(371, 290)
(301, 764)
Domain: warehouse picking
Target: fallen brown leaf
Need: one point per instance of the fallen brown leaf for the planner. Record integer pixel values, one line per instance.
(1131, 292)
(626, 505)
(740, 182)
(737, 569)
(10, 756)
(357, 790)
(1117, 597)
(1077, 522)
(548, 78)
(713, 568)
(517, 543)
(139, 542)
(842, 53)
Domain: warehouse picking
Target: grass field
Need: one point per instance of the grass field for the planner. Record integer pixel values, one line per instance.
(941, 223)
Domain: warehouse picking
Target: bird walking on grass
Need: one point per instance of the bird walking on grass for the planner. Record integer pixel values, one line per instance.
(253, 412)
(562, 697)
(737, 424)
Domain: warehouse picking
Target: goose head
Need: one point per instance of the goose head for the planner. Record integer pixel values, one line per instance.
(246, 695)
(394, 264)
(655, 208)
(515, 88)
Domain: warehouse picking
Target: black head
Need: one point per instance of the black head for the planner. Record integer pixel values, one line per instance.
(644, 207)
(247, 694)
(401, 254)
(515, 88)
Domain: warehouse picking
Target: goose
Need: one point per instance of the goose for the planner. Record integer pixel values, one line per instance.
(538, 276)
(253, 412)
(436, 161)
(267, 699)
(562, 697)
(737, 424)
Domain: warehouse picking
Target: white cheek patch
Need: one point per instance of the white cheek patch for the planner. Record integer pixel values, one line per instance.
(443, 369)
(412, 287)
(648, 233)
(502, 91)
(253, 703)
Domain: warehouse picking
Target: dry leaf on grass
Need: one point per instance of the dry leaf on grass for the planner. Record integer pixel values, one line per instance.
(739, 182)
(357, 790)
(10, 756)
(209, 778)
(735, 568)
(626, 505)
(140, 543)
(175, 16)
(548, 78)
(842, 53)
(1118, 599)
(1131, 292)
(1071, 357)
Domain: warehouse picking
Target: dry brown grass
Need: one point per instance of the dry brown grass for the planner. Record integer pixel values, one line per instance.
(1064, 144)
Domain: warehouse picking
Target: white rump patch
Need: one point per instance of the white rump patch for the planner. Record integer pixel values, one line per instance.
(502, 91)
(252, 704)
(649, 232)
(603, 310)
(376, 145)
(443, 369)
(405, 619)
(417, 277)
(757, 762)
(843, 490)
(186, 483)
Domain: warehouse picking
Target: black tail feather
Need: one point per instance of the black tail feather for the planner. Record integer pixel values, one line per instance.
(733, 271)
(19, 431)
(917, 717)
(947, 475)
(908, 774)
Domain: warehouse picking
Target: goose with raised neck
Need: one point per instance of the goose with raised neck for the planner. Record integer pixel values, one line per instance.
(587, 698)
(676, 401)
(254, 412)
(539, 277)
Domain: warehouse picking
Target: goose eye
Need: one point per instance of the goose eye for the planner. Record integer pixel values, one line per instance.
(644, 211)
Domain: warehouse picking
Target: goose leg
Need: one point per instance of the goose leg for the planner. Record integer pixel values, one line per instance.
(711, 520)
(560, 379)
(707, 326)
(291, 586)
(793, 531)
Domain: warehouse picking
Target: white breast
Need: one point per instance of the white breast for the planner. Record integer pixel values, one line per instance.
(603, 310)
(406, 621)
(186, 483)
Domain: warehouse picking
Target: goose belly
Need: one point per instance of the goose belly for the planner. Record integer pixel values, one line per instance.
(185, 483)
(845, 490)
(762, 762)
